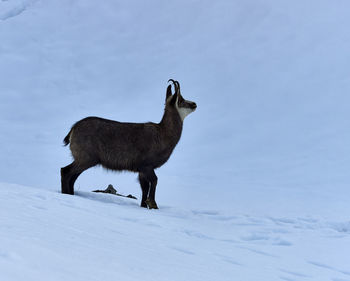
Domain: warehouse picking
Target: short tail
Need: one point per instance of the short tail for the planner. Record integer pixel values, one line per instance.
(66, 140)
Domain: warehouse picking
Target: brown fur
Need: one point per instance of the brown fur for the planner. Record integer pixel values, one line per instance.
(136, 147)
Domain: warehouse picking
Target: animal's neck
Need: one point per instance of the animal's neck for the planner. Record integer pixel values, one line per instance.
(171, 124)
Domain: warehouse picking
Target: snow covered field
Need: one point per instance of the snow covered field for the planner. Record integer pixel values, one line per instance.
(256, 190)
(48, 236)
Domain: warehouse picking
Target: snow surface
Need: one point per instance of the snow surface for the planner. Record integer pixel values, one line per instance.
(48, 236)
(258, 187)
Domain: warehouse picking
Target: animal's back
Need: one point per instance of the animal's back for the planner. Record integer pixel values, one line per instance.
(115, 145)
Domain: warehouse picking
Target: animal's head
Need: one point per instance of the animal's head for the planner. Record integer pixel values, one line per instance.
(184, 107)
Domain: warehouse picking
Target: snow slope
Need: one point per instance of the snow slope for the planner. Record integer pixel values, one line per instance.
(50, 237)
(270, 79)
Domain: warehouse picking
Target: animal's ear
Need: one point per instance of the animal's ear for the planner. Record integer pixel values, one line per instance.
(168, 92)
(173, 99)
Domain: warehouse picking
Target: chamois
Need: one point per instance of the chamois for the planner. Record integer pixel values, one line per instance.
(135, 147)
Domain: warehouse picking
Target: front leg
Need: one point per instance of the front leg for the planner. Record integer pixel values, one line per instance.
(148, 181)
(151, 201)
(145, 186)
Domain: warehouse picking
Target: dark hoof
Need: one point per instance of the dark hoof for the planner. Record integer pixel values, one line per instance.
(151, 204)
(143, 205)
(65, 191)
(69, 193)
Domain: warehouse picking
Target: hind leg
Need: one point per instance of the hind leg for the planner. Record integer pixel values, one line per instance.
(72, 180)
(69, 175)
(66, 174)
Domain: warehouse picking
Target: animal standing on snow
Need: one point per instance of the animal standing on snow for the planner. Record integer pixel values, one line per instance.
(136, 147)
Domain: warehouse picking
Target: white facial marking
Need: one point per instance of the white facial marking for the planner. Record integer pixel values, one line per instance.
(183, 111)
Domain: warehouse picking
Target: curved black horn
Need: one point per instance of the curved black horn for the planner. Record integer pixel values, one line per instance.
(175, 83)
(178, 86)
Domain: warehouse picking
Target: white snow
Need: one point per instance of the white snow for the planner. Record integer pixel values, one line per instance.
(258, 187)
(48, 236)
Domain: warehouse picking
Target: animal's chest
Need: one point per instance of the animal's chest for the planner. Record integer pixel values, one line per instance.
(159, 157)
